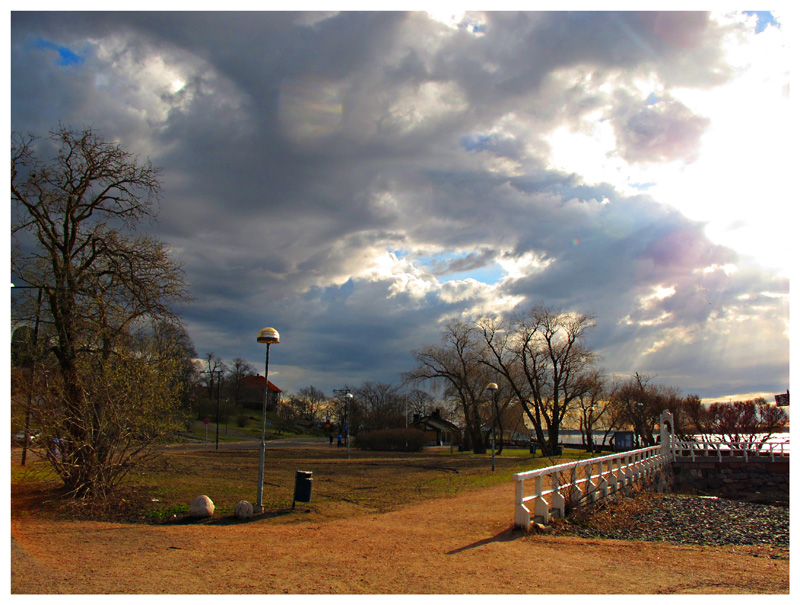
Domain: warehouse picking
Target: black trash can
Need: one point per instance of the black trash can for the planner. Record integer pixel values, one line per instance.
(533, 448)
(302, 486)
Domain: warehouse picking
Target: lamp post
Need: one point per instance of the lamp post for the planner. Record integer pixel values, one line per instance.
(219, 382)
(266, 336)
(348, 397)
(492, 386)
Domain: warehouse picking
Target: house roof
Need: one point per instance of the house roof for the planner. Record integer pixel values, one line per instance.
(436, 422)
(256, 381)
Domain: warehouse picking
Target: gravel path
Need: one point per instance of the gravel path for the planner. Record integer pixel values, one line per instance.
(685, 520)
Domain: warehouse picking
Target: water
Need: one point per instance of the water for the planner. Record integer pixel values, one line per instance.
(573, 437)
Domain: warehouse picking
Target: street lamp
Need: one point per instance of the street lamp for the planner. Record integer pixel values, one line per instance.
(492, 386)
(266, 336)
(348, 398)
(219, 381)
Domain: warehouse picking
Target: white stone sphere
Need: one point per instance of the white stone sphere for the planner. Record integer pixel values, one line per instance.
(243, 510)
(202, 506)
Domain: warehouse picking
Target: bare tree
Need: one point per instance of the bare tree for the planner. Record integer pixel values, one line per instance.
(419, 401)
(593, 405)
(73, 217)
(382, 405)
(639, 403)
(542, 356)
(752, 421)
(312, 400)
(456, 366)
(211, 374)
(236, 375)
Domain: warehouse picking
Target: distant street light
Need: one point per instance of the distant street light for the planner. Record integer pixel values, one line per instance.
(219, 381)
(492, 386)
(348, 397)
(266, 336)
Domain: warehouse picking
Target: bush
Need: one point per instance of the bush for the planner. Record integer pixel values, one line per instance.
(392, 440)
(241, 420)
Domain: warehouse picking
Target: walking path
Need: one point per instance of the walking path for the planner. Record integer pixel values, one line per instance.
(456, 545)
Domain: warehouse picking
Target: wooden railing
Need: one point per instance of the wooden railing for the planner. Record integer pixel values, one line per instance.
(585, 480)
(741, 449)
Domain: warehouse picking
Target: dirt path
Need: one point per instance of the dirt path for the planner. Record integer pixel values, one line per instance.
(448, 546)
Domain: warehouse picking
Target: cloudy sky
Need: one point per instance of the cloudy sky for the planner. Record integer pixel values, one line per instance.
(357, 180)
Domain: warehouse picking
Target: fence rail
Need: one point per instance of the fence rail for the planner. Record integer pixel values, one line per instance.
(739, 449)
(575, 482)
(588, 480)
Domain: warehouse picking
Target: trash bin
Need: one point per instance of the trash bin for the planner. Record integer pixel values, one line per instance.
(302, 486)
(533, 448)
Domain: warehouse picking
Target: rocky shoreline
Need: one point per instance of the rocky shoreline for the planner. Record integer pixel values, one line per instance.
(683, 519)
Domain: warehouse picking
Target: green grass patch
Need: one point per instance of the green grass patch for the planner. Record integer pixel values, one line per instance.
(369, 482)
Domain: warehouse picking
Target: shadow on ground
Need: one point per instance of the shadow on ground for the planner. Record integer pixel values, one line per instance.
(507, 535)
(230, 519)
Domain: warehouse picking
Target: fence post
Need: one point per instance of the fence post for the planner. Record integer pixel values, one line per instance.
(575, 492)
(628, 470)
(602, 485)
(558, 504)
(666, 429)
(541, 509)
(591, 486)
(614, 478)
(522, 516)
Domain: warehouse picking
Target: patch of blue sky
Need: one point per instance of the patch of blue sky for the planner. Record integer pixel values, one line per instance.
(490, 275)
(439, 260)
(652, 99)
(439, 263)
(65, 55)
(642, 186)
(478, 142)
(765, 19)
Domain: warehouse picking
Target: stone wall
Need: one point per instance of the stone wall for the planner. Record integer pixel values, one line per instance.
(754, 480)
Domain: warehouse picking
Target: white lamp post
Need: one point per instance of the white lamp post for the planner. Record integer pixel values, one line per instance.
(492, 386)
(348, 398)
(266, 336)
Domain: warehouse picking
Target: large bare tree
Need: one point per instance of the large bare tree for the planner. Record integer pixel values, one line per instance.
(76, 203)
(456, 366)
(543, 357)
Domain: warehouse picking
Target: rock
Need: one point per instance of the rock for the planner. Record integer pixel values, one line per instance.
(243, 509)
(202, 506)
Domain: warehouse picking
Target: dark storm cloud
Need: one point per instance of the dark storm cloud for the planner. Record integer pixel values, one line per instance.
(299, 150)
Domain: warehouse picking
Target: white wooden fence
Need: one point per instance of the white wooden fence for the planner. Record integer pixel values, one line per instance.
(740, 449)
(587, 480)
